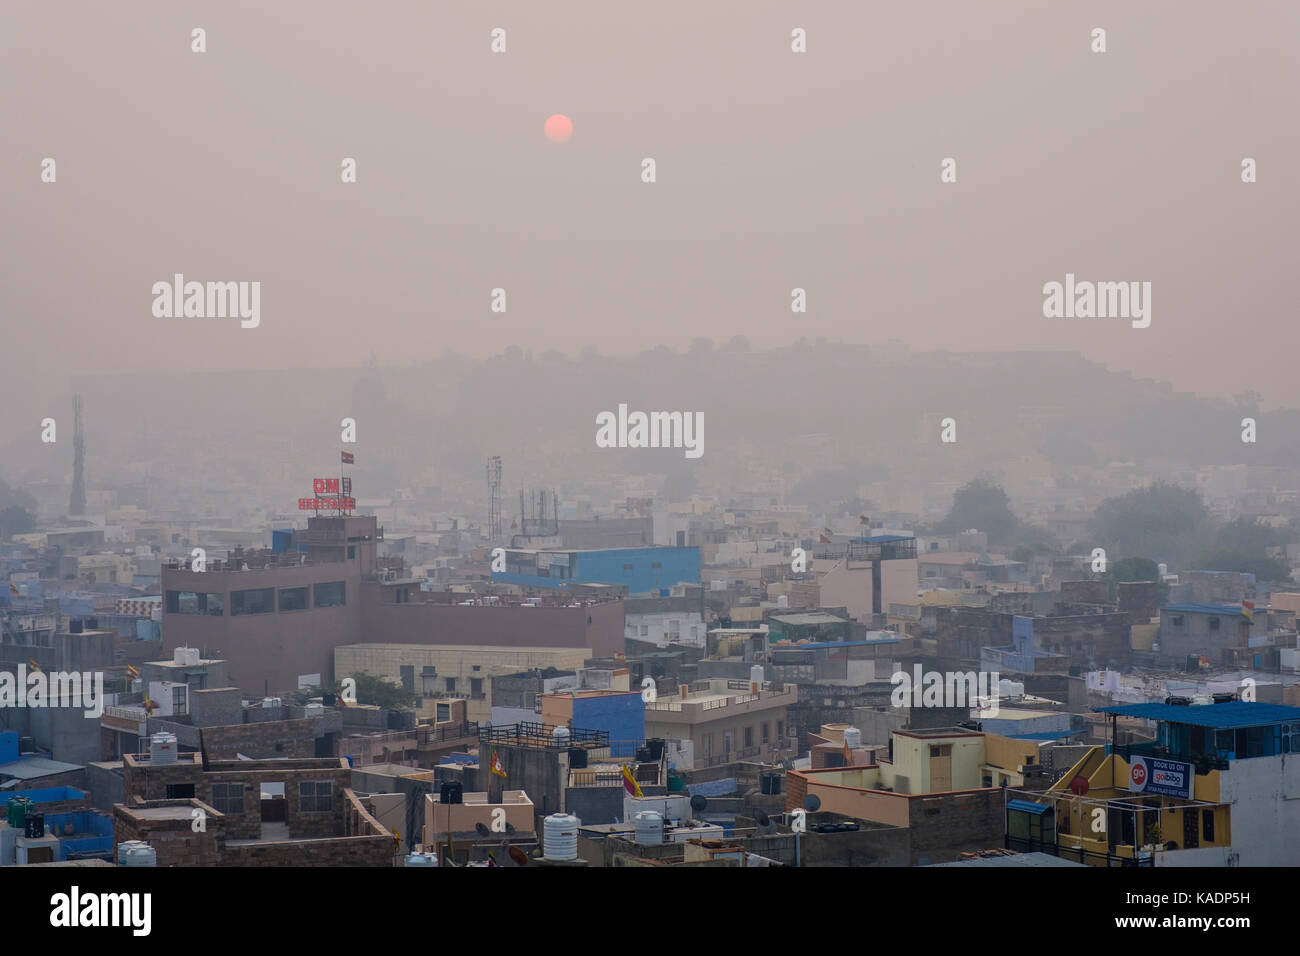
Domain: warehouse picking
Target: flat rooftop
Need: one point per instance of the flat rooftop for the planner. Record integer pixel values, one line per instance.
(1227, 716)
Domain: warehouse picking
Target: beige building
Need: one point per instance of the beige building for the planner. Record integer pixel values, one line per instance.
(725, 720)
(463, 671)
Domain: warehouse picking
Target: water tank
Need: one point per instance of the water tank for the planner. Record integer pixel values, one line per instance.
(560, 836)
(270, 702)
(314, 709)
(560, 736)
(852, 738)
(756, 674)
(649, 828)
(186, 656)
(17, 811)
(1163, 569)
(34, 826)
(162, 748)
(136, 853)
(782, 600)
(422, 859)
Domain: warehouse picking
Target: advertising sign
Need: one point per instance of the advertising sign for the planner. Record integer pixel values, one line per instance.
(1167, 778)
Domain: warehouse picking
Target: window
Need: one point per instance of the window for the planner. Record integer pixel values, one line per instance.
(179, 701)
(988, 781)
(1176, 620)
(255, 601)
(450, 684)
(315, 796)
(191, 602)
(749, 737)
(293, 599)
(763, 732)
(444, 713)
(330, 594)
(476, 687)
(407, 672)
(228, 797)
(645, 629)
(1214, 623)
(180, 791)
(707, 743)
(780, 729)
(1207, 825)
(352, 551)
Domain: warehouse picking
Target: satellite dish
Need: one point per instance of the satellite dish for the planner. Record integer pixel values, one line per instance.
(812, 803)
(763, 819)
(482, 830)
(518, 855)
(699, 802)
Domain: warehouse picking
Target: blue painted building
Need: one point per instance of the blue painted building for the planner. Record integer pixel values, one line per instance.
(641, 570)
(619, 714)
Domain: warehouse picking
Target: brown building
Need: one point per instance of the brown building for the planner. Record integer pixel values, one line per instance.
(250, 813)
(276, 617)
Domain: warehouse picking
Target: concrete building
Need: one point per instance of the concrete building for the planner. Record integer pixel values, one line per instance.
(1218, 786)
(866, 575)
(725, 720)
(255, 813)
(663, 621)
(642, 571)
(945, 785)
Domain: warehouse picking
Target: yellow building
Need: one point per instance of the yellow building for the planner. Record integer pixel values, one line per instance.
(1214, 789)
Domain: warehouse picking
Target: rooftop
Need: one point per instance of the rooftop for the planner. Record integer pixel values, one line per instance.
(1203, 608)
(1226, 716)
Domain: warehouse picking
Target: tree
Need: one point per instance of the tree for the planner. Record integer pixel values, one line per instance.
(16, 520)
(372, 689)
(1166, 520)
(982, 505)
(1136, 569)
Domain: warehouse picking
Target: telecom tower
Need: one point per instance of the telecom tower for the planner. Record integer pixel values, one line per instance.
(494, 497)
(77, 504)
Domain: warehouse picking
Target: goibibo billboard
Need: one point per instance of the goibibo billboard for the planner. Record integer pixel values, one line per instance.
(1166, 778)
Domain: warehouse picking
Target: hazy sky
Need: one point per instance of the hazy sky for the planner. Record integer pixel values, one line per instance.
(775, 170)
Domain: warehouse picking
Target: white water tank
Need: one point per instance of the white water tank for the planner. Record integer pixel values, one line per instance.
(649, 828)
(560, 736)
(314, 709)
(560, 836)
(270, 702)
(852, 738)
(162, 748)
(422, 859)
(756, 675)
(782, 600)
(136, 853)
(186, 656)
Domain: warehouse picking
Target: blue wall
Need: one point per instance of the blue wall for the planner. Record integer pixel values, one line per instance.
(621, 715)
(8, 749)
(676, 565)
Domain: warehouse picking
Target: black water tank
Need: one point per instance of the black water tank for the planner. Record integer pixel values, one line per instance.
(452, 792)
(35, 826)
(656, 747)
(577, 758)
(643, 755)
(75, 626)
(92, 624)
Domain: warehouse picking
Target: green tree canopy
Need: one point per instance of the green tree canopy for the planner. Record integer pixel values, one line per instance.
(982, 505)
(1165, 520)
